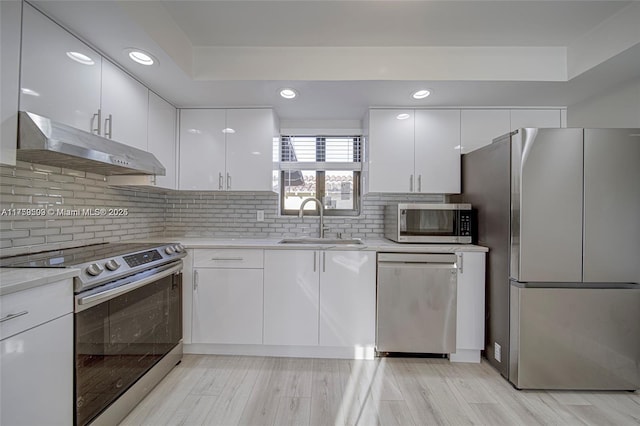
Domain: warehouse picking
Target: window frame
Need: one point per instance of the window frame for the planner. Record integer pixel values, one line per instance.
(321, 168)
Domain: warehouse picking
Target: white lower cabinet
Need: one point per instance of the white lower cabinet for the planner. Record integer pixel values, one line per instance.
(348, 299)
(36, 356)
(317, 297)
(470, 309)
(291, 297)
(227, 296)
(227, 306)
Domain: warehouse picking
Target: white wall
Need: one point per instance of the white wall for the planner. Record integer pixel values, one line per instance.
(618, 108)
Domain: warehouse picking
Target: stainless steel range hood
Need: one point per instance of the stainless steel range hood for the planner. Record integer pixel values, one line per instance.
(44, 141)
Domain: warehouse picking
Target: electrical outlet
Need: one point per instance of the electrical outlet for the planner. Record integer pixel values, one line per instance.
(497, 352)
(260, 215)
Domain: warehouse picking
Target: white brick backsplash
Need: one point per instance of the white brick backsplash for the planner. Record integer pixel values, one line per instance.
(36, 186)
(156, 214)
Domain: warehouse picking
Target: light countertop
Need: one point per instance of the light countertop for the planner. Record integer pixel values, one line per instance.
(380, 245)
(18, 279)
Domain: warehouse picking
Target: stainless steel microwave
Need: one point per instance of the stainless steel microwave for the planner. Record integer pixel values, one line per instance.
(429, 223)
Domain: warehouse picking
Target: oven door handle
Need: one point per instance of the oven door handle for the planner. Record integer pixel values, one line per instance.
(86, 302)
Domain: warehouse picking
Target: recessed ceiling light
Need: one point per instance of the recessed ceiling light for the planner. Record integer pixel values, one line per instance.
(194, 131)
(288, 93)
(29, 92)
(421, 94)
(80, 58)
(228, 130)
(402, 116)
(140, 56)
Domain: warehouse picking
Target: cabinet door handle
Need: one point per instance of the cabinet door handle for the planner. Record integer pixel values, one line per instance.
(324, 262)
(220, 180)
(108, 129)
(195, 280)
(97, 117)
(228, 181)
(411, 183)
(314, 260)
(460, 265)
(419, 183)
(12, 316)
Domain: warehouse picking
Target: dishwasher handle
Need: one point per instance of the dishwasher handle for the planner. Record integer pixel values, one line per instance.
(414, 265)
(437, 258)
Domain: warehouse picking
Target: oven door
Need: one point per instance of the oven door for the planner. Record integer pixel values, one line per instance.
(121, 331)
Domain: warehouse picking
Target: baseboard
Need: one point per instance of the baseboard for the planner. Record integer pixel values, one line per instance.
(358, 352)
(466, 355)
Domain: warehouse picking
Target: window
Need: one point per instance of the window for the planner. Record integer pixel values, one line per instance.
(323, 167)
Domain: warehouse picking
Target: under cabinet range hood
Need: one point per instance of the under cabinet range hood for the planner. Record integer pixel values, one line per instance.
(44, 141)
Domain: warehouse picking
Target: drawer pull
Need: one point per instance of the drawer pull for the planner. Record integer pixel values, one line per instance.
(239, 259)
(12, 316)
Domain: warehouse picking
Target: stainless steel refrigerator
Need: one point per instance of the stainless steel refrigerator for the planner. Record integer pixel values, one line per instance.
(559, 210)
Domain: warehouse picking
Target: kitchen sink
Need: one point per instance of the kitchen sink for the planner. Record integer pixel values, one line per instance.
(318, 241)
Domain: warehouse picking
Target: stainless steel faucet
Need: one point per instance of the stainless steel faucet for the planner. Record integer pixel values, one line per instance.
(320, 206)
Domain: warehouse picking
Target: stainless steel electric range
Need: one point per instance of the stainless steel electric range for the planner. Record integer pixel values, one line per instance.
(127, 321)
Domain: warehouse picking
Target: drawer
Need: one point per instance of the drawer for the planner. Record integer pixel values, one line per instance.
(34, 306)
(228, 258)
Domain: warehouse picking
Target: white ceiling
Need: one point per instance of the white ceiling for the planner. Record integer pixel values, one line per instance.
(388, 23)
(344, 56)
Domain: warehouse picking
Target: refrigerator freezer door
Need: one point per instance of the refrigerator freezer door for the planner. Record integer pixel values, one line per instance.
(546, 205)
(575, 338)
(611, 205)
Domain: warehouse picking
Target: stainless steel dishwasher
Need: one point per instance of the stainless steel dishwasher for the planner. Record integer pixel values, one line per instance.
(416, 308)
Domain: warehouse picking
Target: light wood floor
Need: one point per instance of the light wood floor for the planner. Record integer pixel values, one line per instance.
(238, 390)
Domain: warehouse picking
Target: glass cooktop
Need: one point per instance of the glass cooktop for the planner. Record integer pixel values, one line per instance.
(70, 257)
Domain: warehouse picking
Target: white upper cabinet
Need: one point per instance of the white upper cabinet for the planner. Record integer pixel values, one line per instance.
(162, 139)
(414, 151)
(125, 107)
(249, 155)
(437, 151)
(52, 83)
(391, 150)
(202, 149)
(10, 78)
(226, 150)
(161, 142)
(535, 118)
(65, 80)
(479, 127)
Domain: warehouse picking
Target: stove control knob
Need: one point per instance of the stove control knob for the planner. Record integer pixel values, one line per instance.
(178, 248)
(112, 265)
(94, 269)
(169, 250)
